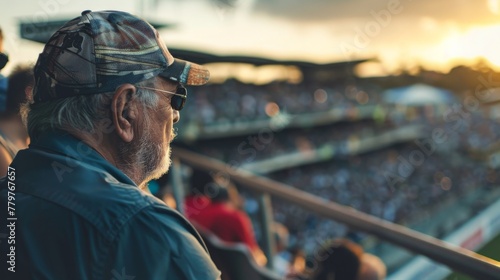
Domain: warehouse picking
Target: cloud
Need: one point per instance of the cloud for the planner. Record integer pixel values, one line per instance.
(460, 11)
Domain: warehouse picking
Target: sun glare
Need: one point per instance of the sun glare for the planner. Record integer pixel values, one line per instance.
(494, 6)
(248, 73)
(475, 43)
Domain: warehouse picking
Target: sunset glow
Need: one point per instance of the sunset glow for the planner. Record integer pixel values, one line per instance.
(437, 35)
(477, 42)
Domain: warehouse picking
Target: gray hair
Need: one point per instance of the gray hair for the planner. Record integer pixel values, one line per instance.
(87, 113)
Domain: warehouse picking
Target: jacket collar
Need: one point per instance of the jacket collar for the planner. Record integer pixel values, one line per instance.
(65, 144)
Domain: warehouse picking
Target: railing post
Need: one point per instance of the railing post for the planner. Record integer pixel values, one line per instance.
(266, 221)
(177, 186)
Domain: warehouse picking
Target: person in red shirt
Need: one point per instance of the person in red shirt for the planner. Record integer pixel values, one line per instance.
(201, 189)
(227, 222)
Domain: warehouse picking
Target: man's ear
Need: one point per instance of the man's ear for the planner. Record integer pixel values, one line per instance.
(124, 111)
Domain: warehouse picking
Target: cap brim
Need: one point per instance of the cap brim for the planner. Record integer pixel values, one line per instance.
(186, 72)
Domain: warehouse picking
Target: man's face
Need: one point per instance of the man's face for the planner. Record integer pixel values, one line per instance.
(156, 133)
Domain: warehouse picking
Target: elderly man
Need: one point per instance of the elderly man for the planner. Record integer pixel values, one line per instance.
(106, 96)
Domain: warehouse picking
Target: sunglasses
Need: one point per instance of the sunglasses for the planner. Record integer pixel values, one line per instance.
(178, 99)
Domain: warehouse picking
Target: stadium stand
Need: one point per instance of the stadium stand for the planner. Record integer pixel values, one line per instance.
(404, 177)
(234, 260)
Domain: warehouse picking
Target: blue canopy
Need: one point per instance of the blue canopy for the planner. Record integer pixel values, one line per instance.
(418, 95)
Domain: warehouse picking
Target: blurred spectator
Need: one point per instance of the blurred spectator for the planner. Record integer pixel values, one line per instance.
(235, 198)
(3, 57)
(372, 268)
(6, 153)
(342, 259)
(228, 223)
(13, 134)
(337, 260)
(297, 262)
(202, 188)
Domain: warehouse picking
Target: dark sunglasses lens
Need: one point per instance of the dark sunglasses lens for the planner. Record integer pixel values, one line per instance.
(177, 102)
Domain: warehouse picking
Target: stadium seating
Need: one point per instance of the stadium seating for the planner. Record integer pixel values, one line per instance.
(234, 260)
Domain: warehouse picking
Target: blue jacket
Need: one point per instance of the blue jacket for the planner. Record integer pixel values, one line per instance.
(76, 216)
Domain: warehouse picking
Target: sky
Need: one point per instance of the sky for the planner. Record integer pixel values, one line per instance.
(400, 33)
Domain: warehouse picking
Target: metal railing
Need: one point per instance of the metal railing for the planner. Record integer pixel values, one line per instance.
(455, 257)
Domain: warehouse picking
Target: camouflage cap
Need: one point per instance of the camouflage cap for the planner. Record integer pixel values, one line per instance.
(99, 51)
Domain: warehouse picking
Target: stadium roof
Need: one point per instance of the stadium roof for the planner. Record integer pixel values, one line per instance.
(41, 31)
(204, 58)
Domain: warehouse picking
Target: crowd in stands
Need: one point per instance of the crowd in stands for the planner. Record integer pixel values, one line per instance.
(383, 183)
(233, 101)
(391, 183)
(477, 132)
(261, 146)
(466, 129)
(394, 183)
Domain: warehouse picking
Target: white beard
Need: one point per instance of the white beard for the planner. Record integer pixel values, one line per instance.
(154, 157)
(145, 160)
